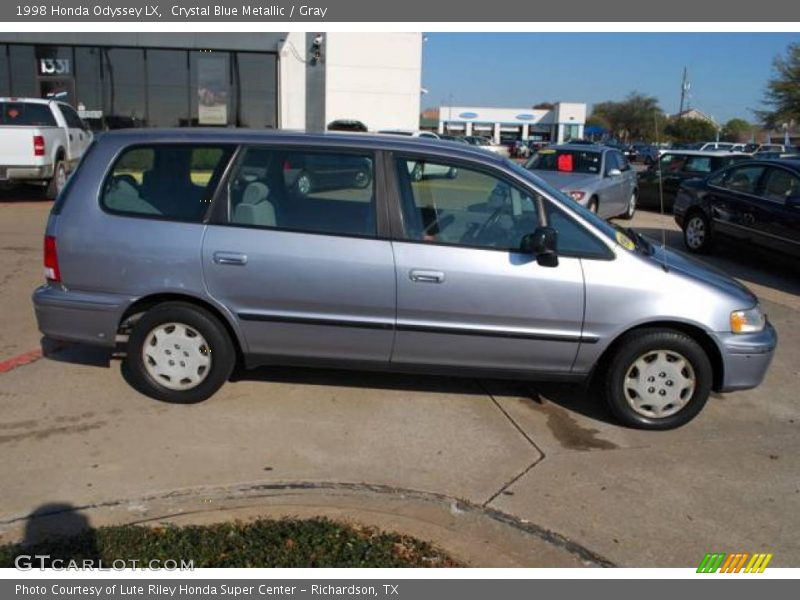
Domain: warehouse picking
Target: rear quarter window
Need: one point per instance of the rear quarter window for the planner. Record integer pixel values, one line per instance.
(166, 181)
(26, 114)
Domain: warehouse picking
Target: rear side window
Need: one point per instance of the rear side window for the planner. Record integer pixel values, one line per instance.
(71, 117)
(26, 114)
(308, 191)
(174, 182)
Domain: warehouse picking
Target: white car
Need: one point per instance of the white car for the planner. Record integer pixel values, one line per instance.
(42, 142)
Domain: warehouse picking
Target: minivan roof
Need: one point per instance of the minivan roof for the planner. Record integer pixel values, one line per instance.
(340, 139)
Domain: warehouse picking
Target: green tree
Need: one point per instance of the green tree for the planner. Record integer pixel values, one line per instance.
(638, 117)
(782, 95)
(687, 130)
(737, 130)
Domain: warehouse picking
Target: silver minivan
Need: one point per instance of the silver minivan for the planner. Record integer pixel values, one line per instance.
(199, 251)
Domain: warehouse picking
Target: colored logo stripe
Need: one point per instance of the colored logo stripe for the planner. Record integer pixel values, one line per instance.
(734, 563)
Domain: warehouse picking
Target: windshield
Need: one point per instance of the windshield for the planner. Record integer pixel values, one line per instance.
(566, 161)
(29, 114)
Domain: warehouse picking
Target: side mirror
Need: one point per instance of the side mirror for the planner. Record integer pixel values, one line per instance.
(613, 173)
(543, 244)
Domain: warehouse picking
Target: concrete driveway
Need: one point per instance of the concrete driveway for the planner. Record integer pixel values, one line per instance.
(501, 474)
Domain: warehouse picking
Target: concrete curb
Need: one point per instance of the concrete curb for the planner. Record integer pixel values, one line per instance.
(473, 534)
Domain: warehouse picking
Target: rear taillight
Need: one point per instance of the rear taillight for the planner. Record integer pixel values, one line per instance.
(51, 270)
(38, 145)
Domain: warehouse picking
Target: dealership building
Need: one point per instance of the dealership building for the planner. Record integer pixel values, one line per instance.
(565, 121)
(264, 80)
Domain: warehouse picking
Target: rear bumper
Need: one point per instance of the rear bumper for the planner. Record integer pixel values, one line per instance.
(746, 358)
(87, 317)
(23, 173)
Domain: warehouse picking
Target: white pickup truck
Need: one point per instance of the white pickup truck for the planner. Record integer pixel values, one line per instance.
(41, 141)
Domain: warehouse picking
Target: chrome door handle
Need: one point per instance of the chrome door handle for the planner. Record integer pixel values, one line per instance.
(230, 258)
(420, 276)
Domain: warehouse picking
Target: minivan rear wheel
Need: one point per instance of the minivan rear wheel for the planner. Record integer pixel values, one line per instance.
(179, 353)
(658, 379)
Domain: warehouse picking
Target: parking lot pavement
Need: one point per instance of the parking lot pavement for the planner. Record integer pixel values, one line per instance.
(548, 456)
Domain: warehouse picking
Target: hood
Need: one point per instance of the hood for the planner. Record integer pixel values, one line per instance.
(705, 273)
(567, 181)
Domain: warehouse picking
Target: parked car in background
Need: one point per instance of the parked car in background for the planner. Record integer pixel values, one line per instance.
(347, 125)
(780, 148)
(41, 142)
(188, 252)
(411, 133)
(627, 150)
(453, 138)
(755, 202)
(486, 144)
(676, 166)
(597, 177)
(717, 146)
(645, 153)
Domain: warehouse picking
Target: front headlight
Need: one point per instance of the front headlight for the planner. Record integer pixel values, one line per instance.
(748, 321)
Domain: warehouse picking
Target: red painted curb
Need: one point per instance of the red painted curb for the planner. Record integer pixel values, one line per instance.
(20, 360)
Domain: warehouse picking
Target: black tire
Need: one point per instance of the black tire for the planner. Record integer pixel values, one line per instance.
(594, 204)
(698, 235)
(57, 181)
(639, 343)
(630, 211)
(220, 348)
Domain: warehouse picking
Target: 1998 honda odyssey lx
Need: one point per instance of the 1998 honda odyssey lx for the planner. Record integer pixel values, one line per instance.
(206, 251)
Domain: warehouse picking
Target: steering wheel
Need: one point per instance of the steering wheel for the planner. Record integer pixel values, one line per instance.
(477, 233)
(440, 224)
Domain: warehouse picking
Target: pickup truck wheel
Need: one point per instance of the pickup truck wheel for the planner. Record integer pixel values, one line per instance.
(179, 353)
(657, 379)
(57, 181)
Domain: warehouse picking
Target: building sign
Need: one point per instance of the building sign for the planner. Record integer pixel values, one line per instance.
(212, 90)
(54, 66)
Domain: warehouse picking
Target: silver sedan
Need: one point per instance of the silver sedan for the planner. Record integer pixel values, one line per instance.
(597, 177)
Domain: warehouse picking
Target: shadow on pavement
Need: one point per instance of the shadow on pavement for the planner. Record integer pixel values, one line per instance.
(22, 193)
(57, 532)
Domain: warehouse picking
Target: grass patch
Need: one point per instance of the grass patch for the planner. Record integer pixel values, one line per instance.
(315, 542)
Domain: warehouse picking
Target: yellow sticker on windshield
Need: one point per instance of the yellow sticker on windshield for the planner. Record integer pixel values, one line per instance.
(547, 151)
(624, 241)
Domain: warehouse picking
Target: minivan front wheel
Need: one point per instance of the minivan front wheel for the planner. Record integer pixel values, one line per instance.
(179, 353)
(658, 379)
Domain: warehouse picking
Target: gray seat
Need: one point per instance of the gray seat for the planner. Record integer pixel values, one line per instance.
(255, 207)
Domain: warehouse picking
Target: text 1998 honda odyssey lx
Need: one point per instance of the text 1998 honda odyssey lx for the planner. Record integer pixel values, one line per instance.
(215, 248)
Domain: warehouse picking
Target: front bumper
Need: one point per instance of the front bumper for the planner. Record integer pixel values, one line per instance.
(746, 357)
(86, 317)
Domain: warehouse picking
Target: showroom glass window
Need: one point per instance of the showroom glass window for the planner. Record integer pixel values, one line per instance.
(211, 97)
(22, 62)
(88, 81)
(124, 74)
(167, 88)
(5, 75)
(256, 79)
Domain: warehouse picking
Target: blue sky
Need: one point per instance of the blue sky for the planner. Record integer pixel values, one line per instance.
(727, 71)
